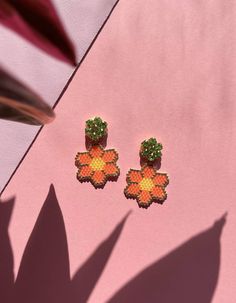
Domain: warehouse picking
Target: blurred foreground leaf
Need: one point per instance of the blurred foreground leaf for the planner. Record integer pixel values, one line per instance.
(38, 22)
(18, 103)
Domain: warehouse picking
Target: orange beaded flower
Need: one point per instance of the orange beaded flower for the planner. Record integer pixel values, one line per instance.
(97, 165)
(147, 185)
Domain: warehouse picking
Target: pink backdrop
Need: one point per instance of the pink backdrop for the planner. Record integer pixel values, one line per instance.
(164, 69)
(46, 75)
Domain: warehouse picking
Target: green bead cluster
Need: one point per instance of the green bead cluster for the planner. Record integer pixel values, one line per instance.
(151, 149)
(95, 129)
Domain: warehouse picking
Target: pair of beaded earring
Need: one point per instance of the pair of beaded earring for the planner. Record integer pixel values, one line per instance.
(99, 165)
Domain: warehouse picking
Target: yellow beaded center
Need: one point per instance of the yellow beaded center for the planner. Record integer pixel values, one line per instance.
(146, 184)
(97, 163)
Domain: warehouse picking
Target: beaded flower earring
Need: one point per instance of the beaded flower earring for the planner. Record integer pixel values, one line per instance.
(147, 185)
(97, 165)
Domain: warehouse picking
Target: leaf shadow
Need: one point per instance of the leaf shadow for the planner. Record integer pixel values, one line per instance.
(88, 274)
(187, 274)
(6, 254)
(44, 274)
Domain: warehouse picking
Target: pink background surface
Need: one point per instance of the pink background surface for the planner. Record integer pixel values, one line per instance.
(46, 75)
(159, 68)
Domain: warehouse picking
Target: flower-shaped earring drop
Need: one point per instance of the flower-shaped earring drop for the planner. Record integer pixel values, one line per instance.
(147, 185)
(97, 165)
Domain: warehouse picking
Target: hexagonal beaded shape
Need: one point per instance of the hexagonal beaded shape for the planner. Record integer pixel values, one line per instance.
(96, 129)
(150, 150)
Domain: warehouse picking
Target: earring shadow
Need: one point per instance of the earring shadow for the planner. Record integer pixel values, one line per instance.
(102, 142)
(156, 164)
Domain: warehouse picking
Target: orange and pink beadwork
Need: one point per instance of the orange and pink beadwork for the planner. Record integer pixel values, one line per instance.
(146, 186)
(97, 166)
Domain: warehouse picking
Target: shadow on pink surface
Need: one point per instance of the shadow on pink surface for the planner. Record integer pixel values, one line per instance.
(44, 274)
(6, 254)
(187, 274)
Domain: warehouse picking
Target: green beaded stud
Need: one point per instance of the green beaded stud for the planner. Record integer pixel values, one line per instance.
(151, 150)
(96, 129)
